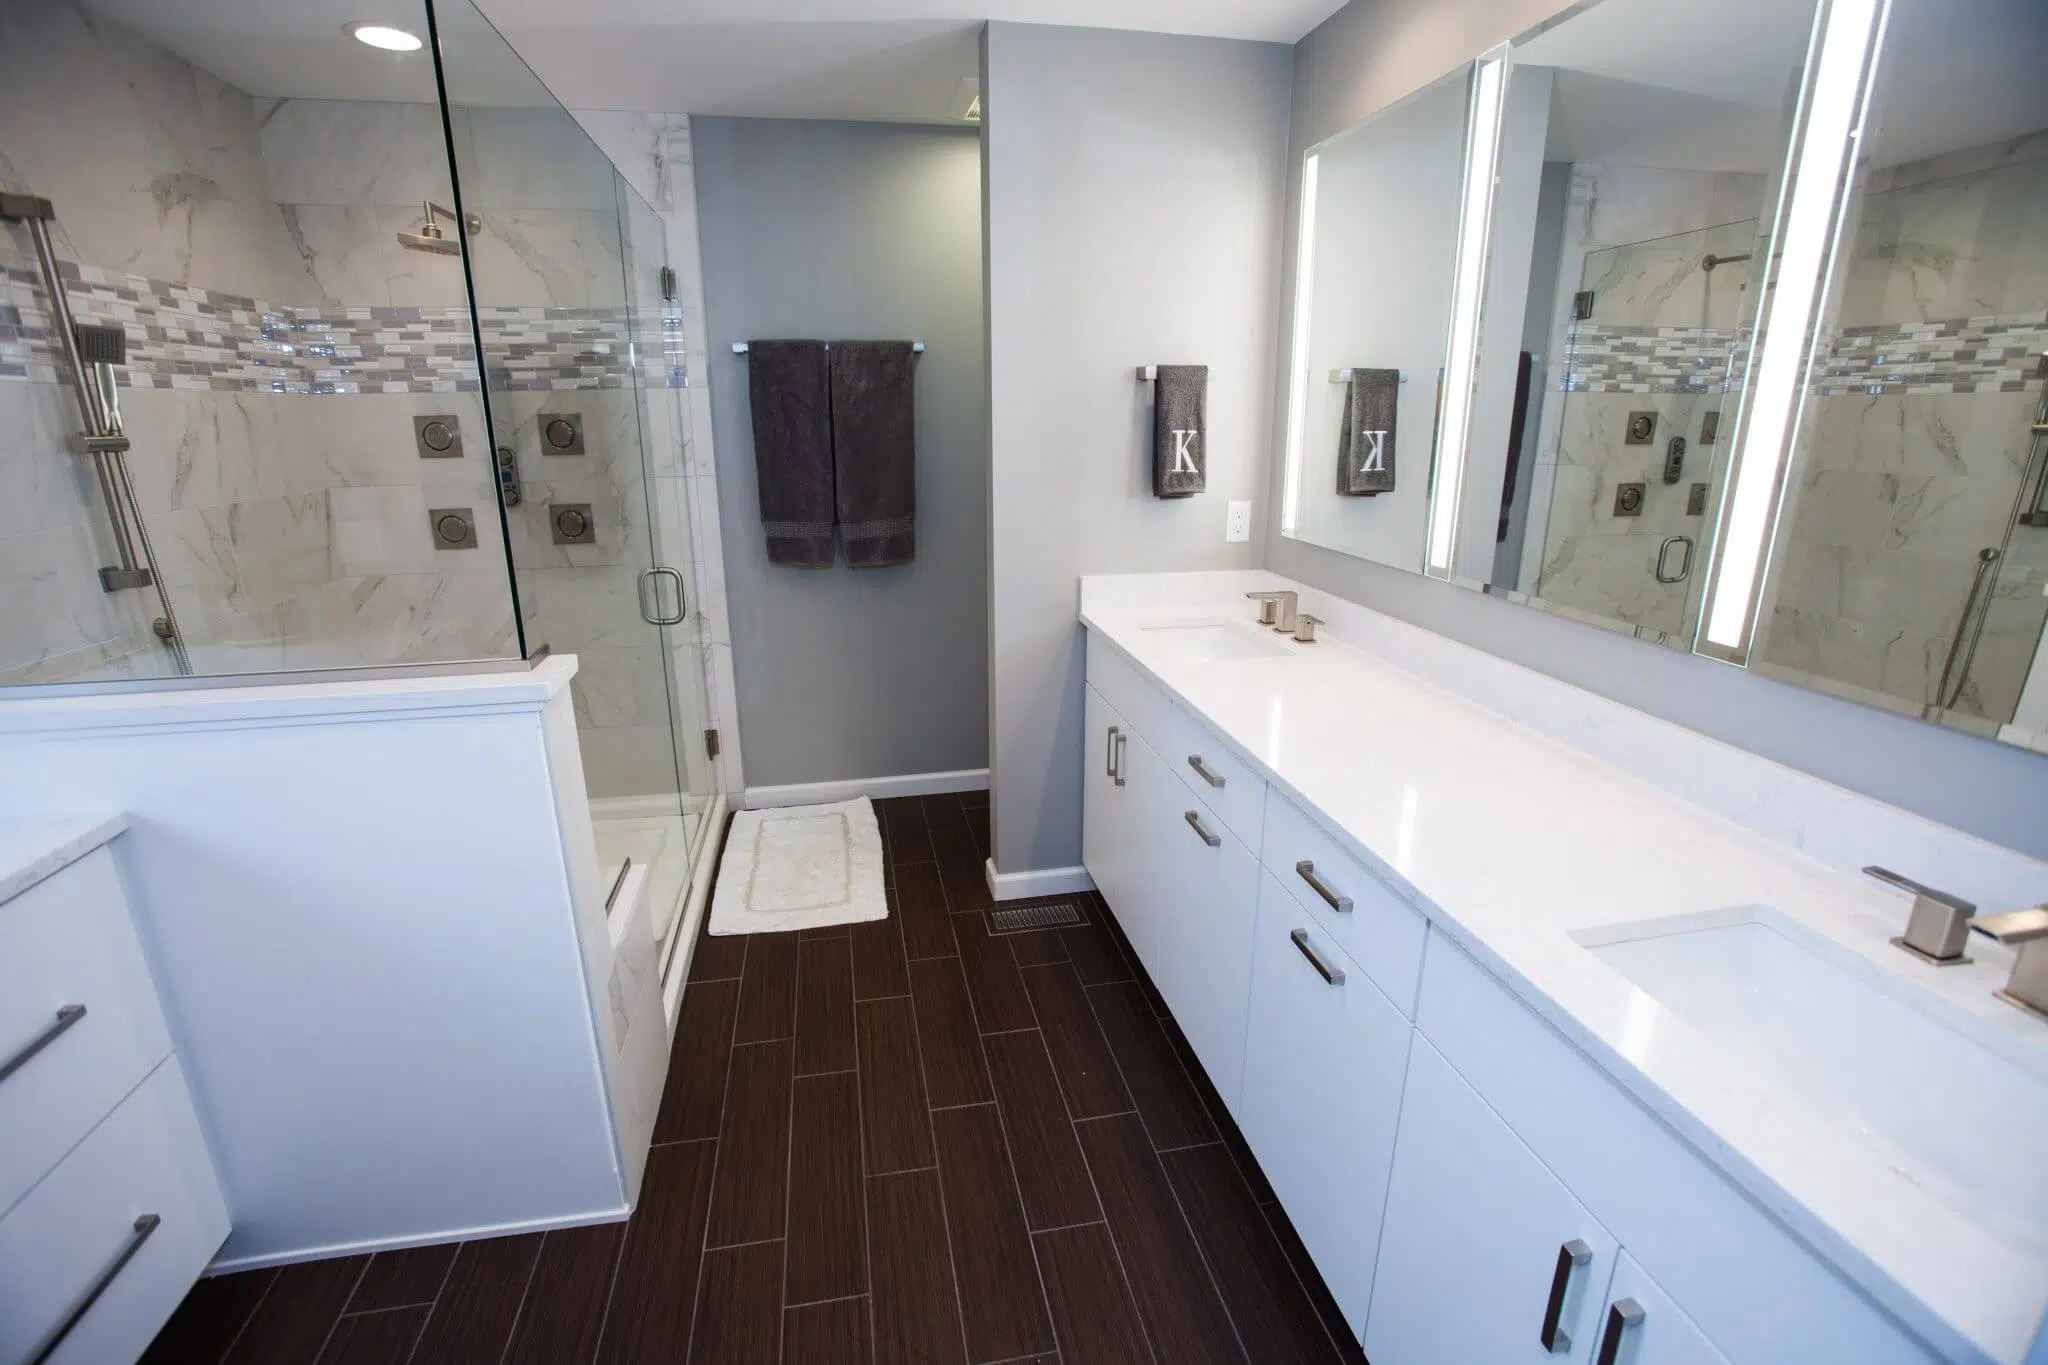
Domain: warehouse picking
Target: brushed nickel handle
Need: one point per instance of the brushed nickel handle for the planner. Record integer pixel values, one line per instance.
(1622, 1314)
(1195, 824)
(1306, 870)
(140, 1233)
(1204, 771)
(1330, 973)
(1109, 754)
(1123, 746)
(66, 1016)
(1571, 1255)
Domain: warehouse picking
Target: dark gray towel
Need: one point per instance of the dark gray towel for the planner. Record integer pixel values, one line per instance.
(1180, 431)
(874, 449)
(791, 401)
(1365, 447)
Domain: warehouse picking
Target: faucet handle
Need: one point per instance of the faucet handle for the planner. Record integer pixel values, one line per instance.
(2027, 931)
(1269, 606)
(1939, 924)
(2014, 926)
(1305, 628)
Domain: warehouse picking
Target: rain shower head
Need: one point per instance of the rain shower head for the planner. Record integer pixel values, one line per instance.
(431, 238)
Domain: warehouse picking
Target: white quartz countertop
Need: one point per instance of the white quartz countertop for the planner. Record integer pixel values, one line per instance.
(32, 850)
(1510, 841)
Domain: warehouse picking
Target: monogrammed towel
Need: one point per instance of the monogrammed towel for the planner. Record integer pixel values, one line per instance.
(1365, 447)
(1180, 431)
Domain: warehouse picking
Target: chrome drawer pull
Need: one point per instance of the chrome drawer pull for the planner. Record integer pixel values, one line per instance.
(144, 1226)
(1204, 771)
(66, 1017)
(1569, 1256)
(1333, 975)
(1306, 870)
(1622, 1314)
(1195, 824)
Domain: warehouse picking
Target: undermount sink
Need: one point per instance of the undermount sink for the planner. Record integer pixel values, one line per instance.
(1949, 1101)
(1216, 641)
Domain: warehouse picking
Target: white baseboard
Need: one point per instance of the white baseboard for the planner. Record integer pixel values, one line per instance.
(375, 1244)
(874, 788)
(637, 807)
(1049, 881)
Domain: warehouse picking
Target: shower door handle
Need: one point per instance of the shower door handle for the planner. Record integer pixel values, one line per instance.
(652, 579)
(1664, 558)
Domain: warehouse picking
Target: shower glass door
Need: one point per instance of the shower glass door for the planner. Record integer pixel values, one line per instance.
(566, 267)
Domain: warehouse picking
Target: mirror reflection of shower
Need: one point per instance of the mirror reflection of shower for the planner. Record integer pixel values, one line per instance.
(430, 237)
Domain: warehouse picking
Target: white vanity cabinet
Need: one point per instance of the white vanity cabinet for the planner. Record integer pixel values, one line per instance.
(1325, 1052)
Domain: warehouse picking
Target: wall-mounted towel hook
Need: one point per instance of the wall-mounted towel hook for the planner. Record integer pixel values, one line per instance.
(740, 347)
(1344, 376)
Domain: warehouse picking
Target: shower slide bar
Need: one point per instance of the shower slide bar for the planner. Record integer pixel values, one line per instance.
(91, 353)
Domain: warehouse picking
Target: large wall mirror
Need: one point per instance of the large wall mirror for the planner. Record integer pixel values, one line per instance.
(1740, 353)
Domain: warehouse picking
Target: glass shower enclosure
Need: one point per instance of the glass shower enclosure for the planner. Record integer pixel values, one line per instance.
(319, 355)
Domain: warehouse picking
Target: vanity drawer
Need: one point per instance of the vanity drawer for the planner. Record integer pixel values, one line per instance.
(146, 1160)
(1223, 781)
(1144, 705)
(1755, 1290)
(1383, 932)
(66, 942)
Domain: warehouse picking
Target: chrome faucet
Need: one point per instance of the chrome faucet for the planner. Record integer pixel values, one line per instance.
(1939, 924)
(2027, 932)
(1277, 609)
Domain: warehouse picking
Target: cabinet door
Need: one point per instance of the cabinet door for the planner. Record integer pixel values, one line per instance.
(1476, 1255)
(1323, 1065)
(1199, 937)
(1108, 832)
(1640, 1325)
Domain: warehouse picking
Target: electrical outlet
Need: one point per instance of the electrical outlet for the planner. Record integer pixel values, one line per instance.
(1237, 522)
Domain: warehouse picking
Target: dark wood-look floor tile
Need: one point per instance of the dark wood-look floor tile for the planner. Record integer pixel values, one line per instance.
(1219, 1112)
(565, 1303)
(749, 1192)
(1173, 1110)
(919, 904)
(375, 1338)
(823, 931)
(916, 1308)
(717, 957)
(948, 825)
(879, 969)
(400, 1279)
(999, 1000)
(1274, 1316)
(946, 1034)
(472, 1320)
(1080, 1057)
(294, 1318)
(1094, 952)
(905, 838)
(827, 1224)
(694, 1094)
(892, 1100)
(1036, 948)
(1100, 912)
(1092, 1310)
(1051, 1173)
(652, 1302)
(1334, 1322)
(978, 826)
(1000, 1300)
(833, 1333)
(1170, 1284)
(961, 863)
(739, 1307)
(768, 990)
(824, 1007)
(209, 1319)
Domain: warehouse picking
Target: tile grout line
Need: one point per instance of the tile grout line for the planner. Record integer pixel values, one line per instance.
(254, 1308)
(704, 1247)
(796, 999)
(860, 1123)
(525, 1290)
(611, 1289)
(334, 1326)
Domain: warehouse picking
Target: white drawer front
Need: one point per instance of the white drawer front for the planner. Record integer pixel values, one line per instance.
(1754, 1289)
(68, 941)
(1225, 783)
(146, 1159)
(1144, 706)
(1380, 930)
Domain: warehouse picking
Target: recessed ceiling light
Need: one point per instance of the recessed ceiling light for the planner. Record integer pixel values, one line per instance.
(384, 36)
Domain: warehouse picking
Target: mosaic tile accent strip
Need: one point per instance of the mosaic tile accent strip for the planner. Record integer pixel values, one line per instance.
(187, 338)
(1619, 358)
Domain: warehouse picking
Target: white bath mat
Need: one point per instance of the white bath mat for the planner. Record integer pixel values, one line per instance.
(800, 867)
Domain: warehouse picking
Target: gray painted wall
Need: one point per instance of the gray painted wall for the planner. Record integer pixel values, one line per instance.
(853, 230)
(1134, 200)
(1371, 53)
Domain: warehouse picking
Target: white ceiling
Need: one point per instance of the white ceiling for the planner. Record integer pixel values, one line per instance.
(876, 59)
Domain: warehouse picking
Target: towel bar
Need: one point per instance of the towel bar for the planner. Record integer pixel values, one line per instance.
(1344, 376)
(740, 347)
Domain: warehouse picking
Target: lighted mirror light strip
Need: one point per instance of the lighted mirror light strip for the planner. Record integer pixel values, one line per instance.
(1297, 347)
(1468, 296)
(1811, 233)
